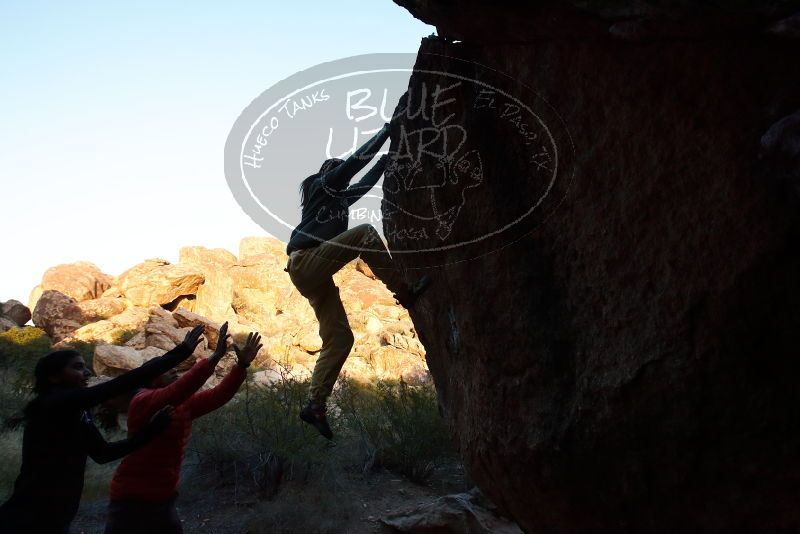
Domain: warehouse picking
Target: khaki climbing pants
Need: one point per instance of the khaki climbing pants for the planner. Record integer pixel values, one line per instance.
(312, 270)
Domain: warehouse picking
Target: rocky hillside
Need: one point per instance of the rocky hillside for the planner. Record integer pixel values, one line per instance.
(624, 358)
(149, 308)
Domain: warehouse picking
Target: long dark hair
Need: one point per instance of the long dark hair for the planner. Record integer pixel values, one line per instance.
(305, 186)
(48, 365)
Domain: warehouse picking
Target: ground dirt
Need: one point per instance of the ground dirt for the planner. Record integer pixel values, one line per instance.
(352, 503)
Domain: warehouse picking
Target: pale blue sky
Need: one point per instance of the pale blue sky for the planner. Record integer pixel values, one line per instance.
(115, 115)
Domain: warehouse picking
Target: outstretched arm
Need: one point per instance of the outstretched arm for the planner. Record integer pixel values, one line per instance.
(83, 398)
(149, 401)
(101, 451)
(209, 400)
(216, 397)
(356, 191)
(338, 178)
(180, 391)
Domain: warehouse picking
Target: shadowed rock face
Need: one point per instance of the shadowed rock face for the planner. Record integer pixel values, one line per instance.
(510, 21)
(625, 358)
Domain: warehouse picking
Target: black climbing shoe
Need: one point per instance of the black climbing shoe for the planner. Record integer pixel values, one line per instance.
(314, 415)
(414, 292)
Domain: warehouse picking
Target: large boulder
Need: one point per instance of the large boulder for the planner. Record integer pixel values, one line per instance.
(261, 271)
(308, 340)
(57, 314)
(404, 343)
(80, 280)
(389, 363)
(280, 335)
(102, 308)
(206, 256)
(359, 292)
(185, 318)
(165, 330)
(256, 246)
(15, 311)
(162, 330)
(7, 324)
(158, 282)
(116, 329)
(214, 296)
(262, 291)
(624, 358)
(113, 360)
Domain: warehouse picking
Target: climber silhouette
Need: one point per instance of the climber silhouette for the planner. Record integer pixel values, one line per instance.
(144, 486)
(321, 245)
(59, 435)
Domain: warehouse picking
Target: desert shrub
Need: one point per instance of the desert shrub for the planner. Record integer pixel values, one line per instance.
(398, 424)
(20, 348)
(259, 437)
(121, 337)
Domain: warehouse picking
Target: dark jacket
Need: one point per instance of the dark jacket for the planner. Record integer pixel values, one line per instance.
(326, 210)
(59, 435)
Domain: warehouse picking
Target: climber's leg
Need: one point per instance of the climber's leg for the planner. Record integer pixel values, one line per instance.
(337, 340)
(363, 240)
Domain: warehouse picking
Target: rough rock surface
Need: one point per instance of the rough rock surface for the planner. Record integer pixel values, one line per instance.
(257, 246)
(186, 318)
(213, 297)
(159, 282)
(57, 314)
(7, 324)
(511, 21)
(113, 329)
(15, 311)
(463, 513)
(154, 304)
(163, 331)
(102, 308)
(80, 280)
(788, 27)
(113, 360)
(624, 360)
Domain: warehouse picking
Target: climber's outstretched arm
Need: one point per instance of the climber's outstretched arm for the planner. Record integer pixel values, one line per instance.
(338, 178)
(356, 191)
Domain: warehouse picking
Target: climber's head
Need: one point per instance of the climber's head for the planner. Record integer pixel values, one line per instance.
(330, 164)
(305, 186)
